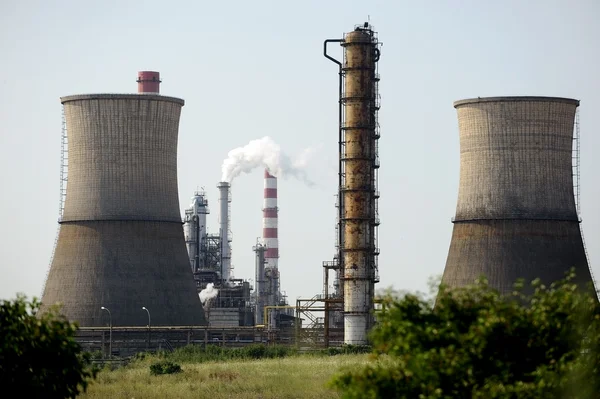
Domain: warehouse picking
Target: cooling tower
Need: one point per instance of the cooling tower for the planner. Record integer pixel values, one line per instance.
(121, 243)
(358, 163)
(516, 215)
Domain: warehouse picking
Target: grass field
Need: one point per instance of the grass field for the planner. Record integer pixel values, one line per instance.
(290, 377)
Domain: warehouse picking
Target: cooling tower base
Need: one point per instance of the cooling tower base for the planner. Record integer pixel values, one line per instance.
(506, 250)
(123, 266)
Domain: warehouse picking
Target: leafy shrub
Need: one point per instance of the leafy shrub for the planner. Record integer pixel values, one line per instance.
(164, 367)
(39, 356)
(347, 350)
(199, 354)
(476, 343)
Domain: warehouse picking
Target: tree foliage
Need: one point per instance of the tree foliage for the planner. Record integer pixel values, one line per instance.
(39, 357)
(475, 343)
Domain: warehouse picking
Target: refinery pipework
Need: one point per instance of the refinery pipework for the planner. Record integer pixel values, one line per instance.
(358, 164)
(120, 243)
(516, 214)
(194, 228)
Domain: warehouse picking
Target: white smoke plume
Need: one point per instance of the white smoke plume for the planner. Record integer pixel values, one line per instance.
(263, 153)
(208, 293)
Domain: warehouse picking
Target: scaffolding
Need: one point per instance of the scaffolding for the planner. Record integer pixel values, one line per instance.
(577, 187)
(64, 173)
(64, 165)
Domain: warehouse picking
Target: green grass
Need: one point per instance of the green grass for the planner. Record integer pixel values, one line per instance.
(290, 377)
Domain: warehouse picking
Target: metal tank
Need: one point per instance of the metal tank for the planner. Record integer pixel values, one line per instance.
(358, 194)
(516, 214)
(120, 244)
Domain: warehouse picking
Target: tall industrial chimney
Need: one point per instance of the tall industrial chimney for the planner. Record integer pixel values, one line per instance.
(516, 215)
(270, 236)
(224, 231)
(120, 244)
(358, 163)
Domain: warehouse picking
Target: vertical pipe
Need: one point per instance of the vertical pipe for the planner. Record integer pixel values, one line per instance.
(260, 288)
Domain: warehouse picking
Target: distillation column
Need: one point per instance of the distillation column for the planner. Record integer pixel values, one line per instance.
(194, 228)
(358, 179)
(260, 283)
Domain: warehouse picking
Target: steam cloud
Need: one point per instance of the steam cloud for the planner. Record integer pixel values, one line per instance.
(208, 293)
(265, 152)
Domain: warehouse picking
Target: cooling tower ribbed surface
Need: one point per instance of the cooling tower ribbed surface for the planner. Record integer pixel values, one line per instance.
(121, 242)
(516, 215)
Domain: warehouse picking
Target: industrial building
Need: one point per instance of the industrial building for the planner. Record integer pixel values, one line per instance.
(120, 246)
(516, 215)
(233, 302)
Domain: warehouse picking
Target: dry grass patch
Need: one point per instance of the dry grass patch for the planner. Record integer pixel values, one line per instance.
(292, 377)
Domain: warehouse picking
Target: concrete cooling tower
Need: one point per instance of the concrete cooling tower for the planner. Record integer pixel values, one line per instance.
(121, 243)
(516, 214)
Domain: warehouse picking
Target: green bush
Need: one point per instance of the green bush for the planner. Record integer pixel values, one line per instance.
(475, 343)
(164, 367)
(199, 354)
(347, 349)
(39, 356)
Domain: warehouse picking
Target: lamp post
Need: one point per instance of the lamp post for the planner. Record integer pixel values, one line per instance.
(147, 311)
(109, 332)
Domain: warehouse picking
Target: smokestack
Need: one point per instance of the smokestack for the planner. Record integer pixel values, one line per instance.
(359, 163)
(270, 236)
(120, 244)
(516, 215)
(270, 221)
(148, 82)
(224, 231)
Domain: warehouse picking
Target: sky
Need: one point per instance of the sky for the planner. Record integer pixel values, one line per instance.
(252, 69)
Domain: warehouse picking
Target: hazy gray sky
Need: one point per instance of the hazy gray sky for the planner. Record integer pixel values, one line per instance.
(251, 69)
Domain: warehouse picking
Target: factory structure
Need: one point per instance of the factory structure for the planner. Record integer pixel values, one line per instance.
(229, 301)
(517, 211)
(120, 253)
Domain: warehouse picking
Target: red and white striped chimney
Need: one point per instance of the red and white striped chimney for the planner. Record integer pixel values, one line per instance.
(270, 221)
